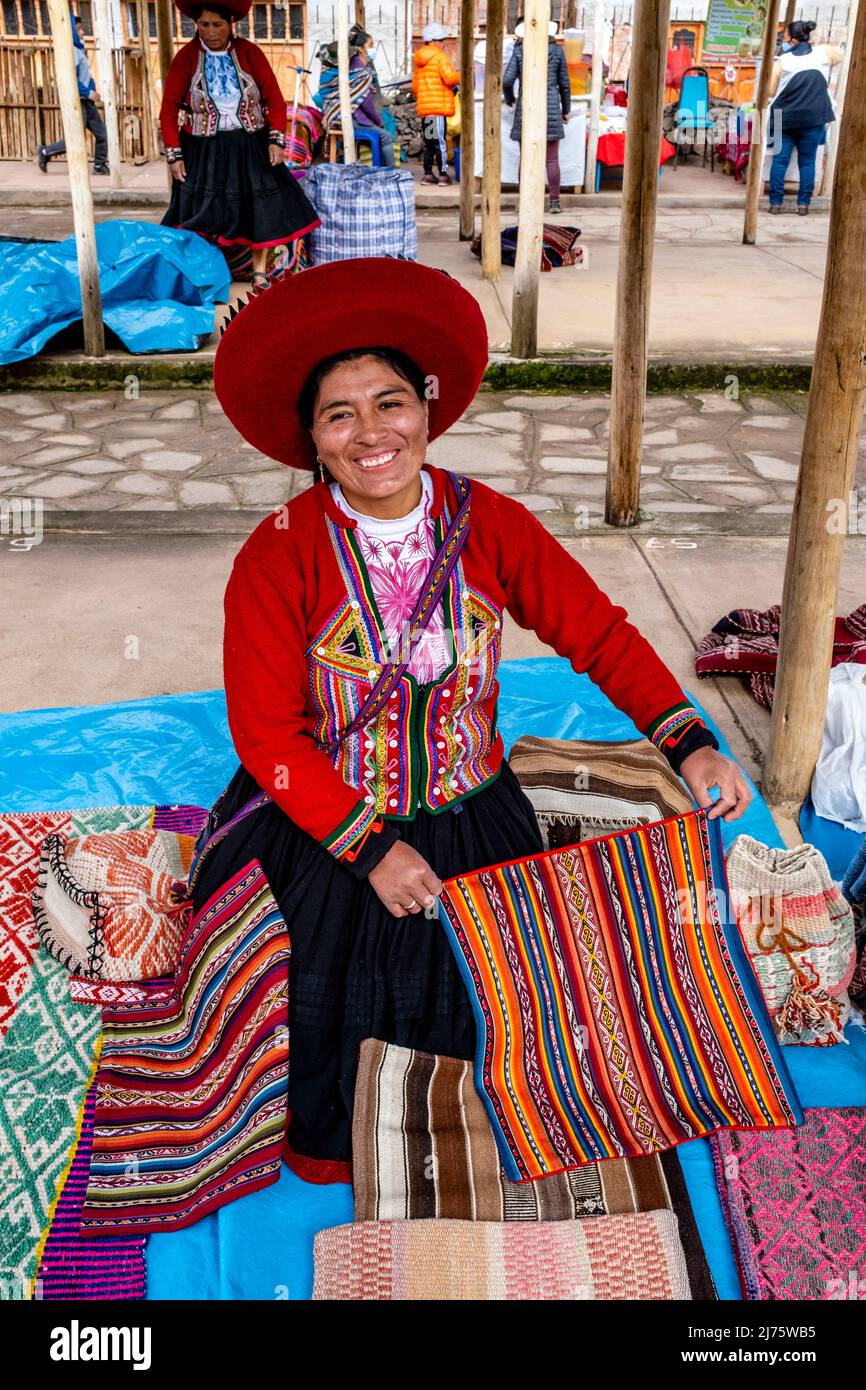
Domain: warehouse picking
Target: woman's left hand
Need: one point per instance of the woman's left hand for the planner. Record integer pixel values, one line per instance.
(707, 768)
(278, 154)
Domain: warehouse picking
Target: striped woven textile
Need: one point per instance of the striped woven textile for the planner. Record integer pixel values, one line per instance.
(87, 1269)
(581, 789)
(617, 1010)
(615, 1257)
(192, 1090)
(422, 1146)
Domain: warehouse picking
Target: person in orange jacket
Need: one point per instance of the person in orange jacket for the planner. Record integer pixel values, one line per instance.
(433, 83)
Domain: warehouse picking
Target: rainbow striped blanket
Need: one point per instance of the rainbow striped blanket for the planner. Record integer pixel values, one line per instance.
(617, 1011)
(192, 1083)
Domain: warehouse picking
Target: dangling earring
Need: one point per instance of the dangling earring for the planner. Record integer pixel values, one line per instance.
(319, 470)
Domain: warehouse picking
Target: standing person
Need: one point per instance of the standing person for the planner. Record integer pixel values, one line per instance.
(364, 92)
(558, 103)
(802, 110)
(92, 119)
(433, 83)
(226, 159)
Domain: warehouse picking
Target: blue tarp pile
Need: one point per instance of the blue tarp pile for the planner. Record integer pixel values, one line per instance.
(177, 748)
(160, 287)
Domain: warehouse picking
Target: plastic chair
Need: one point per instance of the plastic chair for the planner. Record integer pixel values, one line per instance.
(373, 138)
(693, 112)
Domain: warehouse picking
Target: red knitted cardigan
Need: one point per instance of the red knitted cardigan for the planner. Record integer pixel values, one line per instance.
(302, 649)
(177, 96)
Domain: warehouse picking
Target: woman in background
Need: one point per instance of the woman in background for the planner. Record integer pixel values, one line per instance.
(801, 111)
(558, 103)
(223, 122)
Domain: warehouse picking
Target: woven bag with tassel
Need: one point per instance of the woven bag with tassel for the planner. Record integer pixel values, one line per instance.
(799, 932)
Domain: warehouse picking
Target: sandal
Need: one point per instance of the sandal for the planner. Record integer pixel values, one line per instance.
(261, 279)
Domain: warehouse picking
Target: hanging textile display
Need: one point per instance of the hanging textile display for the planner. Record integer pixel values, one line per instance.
(581, 789)
(422, 1146)
(795, 1206)
(614, 1257)
(192, 1089)
(617, 1011)
(799, 932)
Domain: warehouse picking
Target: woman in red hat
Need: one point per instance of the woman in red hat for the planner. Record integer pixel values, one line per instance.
(223, 121)
(362, 687)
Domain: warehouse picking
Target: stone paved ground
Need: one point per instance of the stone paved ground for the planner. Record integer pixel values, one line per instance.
(710, 463)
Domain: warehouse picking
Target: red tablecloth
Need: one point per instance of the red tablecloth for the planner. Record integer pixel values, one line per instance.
(611, 149)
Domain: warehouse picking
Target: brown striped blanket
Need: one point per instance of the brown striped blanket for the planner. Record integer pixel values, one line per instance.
(581, 789)
(422, 1146)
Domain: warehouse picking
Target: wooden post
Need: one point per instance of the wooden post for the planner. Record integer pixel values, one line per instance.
(165, 50)
(828, 173)
(346, 128)
(754, 180)
(594, 96)
(361, 15)
(491, 177)
(530, 216)
(79, 176)
(164, 36)
(790, 12)
(823, 497)
(639, 197)
(571, 15)
(467, 121)
(102, 27)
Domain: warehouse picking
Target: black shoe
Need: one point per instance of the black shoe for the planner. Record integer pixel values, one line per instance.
(101, 169)
(42, 159)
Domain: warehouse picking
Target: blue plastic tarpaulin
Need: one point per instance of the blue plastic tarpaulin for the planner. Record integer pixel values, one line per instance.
(159, 289)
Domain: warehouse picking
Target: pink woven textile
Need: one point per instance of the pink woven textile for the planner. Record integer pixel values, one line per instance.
(72, 1268)
(795, 1204)
(607, 1258)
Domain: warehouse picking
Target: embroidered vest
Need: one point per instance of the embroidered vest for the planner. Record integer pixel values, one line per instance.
(203, 116)
(431, 744)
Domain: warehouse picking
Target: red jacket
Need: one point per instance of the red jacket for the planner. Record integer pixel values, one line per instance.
(302, 650)
(186, 90)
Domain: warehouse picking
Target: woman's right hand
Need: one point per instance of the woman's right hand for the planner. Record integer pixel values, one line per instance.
(404, 881)
(178, 170)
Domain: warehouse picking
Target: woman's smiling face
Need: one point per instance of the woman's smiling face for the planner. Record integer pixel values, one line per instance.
(370, 432)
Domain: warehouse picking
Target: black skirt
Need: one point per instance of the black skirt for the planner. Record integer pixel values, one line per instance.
(356, 971)
(234, 195)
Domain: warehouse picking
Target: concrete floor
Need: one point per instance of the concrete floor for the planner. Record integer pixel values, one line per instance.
(712, 296)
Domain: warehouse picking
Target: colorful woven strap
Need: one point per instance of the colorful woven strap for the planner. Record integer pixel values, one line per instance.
(437, 577)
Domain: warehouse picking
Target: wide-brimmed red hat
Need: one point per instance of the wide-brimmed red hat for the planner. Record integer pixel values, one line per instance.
(269, 350)
(237, 8)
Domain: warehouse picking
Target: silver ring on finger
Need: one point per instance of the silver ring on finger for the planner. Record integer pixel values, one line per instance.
(410, 907)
